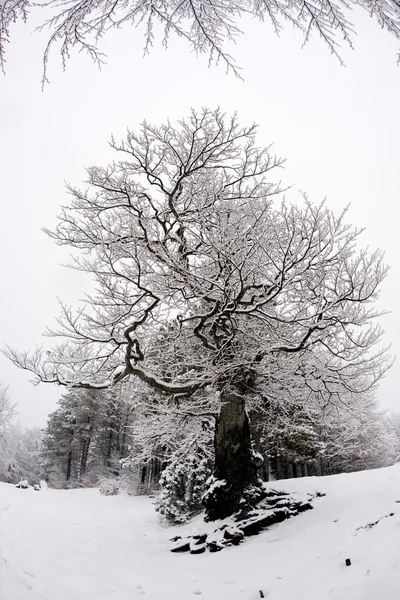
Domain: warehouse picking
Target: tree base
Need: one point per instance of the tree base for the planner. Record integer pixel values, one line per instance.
(277, 507)
(222, 501)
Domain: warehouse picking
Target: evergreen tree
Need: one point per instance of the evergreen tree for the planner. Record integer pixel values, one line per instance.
(85, 437)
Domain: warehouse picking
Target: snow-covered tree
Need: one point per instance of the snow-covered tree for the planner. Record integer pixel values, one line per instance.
(85, 437)
(26, 454)
(183, 483)
(170, 435)
(286, 434)
(207, 25)
(266, 299)
(7, 414)
(356, 437)
(393, 423)
(19, 447)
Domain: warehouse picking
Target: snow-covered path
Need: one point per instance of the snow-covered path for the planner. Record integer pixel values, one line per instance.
(79, 545)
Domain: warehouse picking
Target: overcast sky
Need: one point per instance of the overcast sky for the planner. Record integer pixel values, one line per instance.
(338, 127)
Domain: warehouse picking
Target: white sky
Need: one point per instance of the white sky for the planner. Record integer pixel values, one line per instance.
(338, 127)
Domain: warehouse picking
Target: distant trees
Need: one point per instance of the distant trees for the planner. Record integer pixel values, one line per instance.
(356, 438)
(256, 299)
(287, 436)
(205, 25)
(139, 442)
(393, 422)
(25, 461)
(85, 437)
(7, 414)
(19, 448)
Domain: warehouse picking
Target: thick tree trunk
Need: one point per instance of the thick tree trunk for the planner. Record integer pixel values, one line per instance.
(236, 485)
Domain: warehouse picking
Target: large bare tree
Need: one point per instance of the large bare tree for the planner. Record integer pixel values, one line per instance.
(256, 298)
(206, 24)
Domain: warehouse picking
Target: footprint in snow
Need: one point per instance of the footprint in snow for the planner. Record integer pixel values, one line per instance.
(139, 590)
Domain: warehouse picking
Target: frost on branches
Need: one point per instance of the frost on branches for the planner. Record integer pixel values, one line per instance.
(205, 280)
(206, 25)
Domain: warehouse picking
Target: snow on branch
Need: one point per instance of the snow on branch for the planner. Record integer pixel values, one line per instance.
(207, 25)
(203, 278)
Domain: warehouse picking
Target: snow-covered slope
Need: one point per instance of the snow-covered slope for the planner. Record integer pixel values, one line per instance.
(79, 545)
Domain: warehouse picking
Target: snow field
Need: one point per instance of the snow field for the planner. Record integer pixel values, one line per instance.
(79, 545)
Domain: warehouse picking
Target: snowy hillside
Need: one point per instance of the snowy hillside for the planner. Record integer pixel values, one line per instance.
(79, 545)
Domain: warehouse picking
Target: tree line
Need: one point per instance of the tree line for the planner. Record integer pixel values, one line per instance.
(124, 439)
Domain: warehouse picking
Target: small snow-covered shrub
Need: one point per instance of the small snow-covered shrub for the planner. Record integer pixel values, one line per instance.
(109, 487)
(23, 484)
(183, 484)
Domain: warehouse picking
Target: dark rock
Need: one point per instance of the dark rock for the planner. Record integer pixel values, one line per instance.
(256, 524)
(216, 541)
(281, 500)
(272, 493)
(215, 546)
(181, 545)
(304, 506)
(233, 535)
(197, 548)
(200, 537)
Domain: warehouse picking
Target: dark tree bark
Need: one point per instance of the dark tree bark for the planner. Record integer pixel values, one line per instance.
(109, 448)
(84, 456)
(69, 465)
(70, 454)
(85, 445)
(238, 486)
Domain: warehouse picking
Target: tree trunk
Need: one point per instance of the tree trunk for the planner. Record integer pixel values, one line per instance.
(109, 449)
(236, 485)
(84, 456)
(69, 465)
(70, 453)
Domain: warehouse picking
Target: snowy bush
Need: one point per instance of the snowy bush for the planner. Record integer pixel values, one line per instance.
(23, 484)
(109, 487)
(183, 484)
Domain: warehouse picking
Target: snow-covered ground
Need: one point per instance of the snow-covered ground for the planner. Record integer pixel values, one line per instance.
(79, 545)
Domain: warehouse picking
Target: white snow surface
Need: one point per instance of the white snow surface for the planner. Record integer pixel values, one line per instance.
(80, 545)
